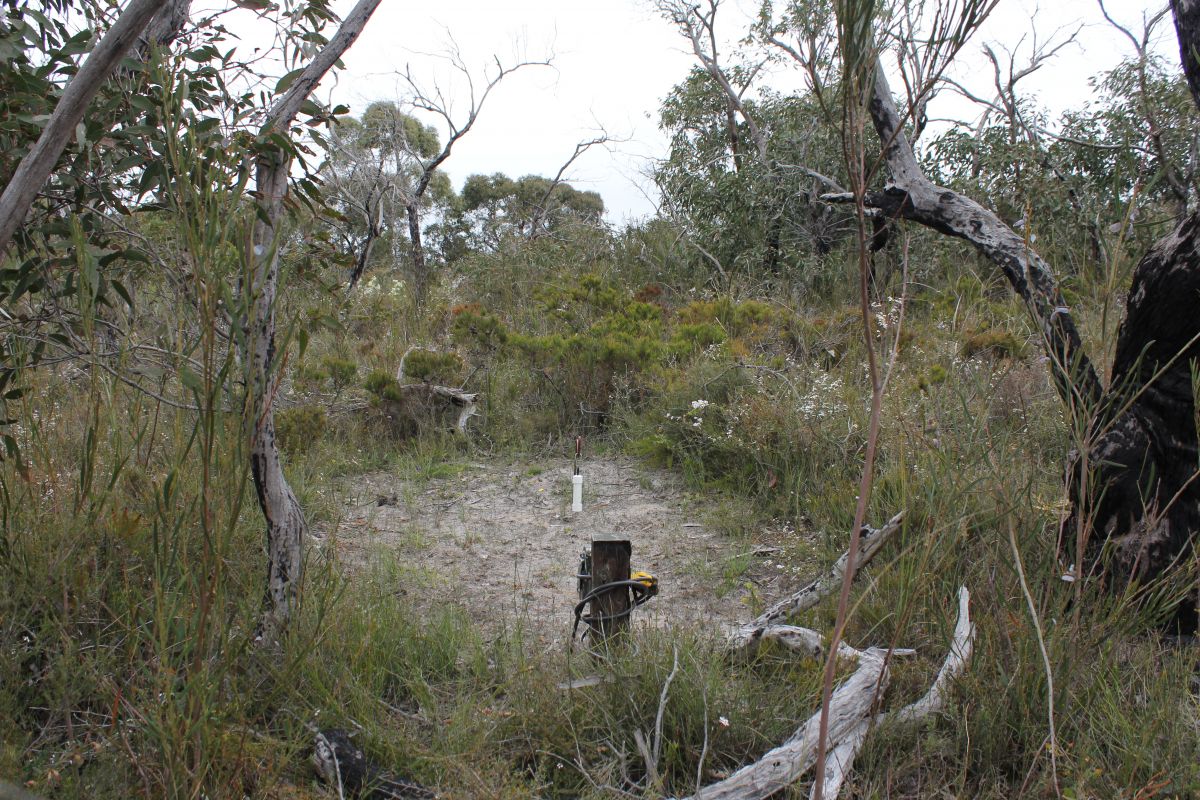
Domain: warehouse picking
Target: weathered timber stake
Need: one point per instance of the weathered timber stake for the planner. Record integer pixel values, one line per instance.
(610, 562)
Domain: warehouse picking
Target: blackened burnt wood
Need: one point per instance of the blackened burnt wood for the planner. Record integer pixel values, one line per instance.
(1141, 496)
(1133, 492)
(344, 766)
(1135, 498)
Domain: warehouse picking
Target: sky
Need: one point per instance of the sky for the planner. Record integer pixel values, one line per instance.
(613, 61)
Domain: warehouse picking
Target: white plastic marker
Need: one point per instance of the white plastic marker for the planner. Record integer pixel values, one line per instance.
(577, 480)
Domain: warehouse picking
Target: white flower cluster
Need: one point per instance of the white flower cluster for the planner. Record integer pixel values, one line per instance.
(694, 416)
(824, 398)
(373, 287)
(887, 316)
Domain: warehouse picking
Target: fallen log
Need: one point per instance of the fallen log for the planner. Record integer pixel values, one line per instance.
(768, 625)
(840, 758)
(785, 764)
(429, 406)
(852, 715)
(424, 406)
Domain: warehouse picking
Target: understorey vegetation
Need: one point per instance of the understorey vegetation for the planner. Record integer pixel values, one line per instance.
(738, 340)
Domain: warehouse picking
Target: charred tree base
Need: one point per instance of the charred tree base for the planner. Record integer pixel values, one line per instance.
(1135, 491)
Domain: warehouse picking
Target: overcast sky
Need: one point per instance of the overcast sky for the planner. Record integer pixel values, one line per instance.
(615, 60)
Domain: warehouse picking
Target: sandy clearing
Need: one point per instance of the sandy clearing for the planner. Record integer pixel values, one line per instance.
(501, 536)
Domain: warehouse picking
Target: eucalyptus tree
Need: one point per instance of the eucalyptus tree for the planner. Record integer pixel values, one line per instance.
(181, 133)
(494, 209)
(744, 213)
(747, 164)
(286, 526)
(374, 167)
(27, 32)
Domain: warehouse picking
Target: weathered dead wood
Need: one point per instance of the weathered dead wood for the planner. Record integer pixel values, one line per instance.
(423, 407)
(36, 166)
(610, 610)
(768, 624)
(1135, 485)
(427, 405)
(840, 759)
(782, 766)
(435, 102)
(285, 520)
(961, 648)
(912, 196)
(852, 715)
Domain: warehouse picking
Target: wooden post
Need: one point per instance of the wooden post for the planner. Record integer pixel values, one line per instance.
(610, 562)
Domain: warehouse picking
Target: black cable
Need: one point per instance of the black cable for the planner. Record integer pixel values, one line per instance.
(640, 592)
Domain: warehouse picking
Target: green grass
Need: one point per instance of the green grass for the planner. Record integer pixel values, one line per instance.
(132, 565)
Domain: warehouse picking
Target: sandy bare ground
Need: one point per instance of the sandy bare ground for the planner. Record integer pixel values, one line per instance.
(501, 536)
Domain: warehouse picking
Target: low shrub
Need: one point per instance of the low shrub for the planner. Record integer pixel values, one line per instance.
(431, 366)
(993, 342)
(298, 427)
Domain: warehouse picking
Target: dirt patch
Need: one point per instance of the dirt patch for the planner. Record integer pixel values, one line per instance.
(502, 537)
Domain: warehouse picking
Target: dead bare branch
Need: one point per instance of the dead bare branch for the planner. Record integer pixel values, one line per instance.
(543, 205)
(433, 100)
(914, 197)
(768, 624)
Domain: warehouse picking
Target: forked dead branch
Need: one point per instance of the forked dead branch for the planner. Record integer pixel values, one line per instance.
(853, 710)
(770, 624)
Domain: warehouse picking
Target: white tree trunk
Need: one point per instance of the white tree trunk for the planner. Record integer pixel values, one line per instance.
(35, 167)
(285, 520)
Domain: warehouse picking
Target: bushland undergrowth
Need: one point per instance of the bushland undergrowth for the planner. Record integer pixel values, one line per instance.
(131, 549)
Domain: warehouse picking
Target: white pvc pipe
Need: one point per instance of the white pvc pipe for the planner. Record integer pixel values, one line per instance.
(576, 493)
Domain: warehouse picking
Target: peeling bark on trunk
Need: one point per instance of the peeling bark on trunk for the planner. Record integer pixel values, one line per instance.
(1187, 29)
(164, 28)
(281, 511)
(1138, 505)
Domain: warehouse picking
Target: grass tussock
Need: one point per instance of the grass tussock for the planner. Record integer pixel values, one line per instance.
(133, 565)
